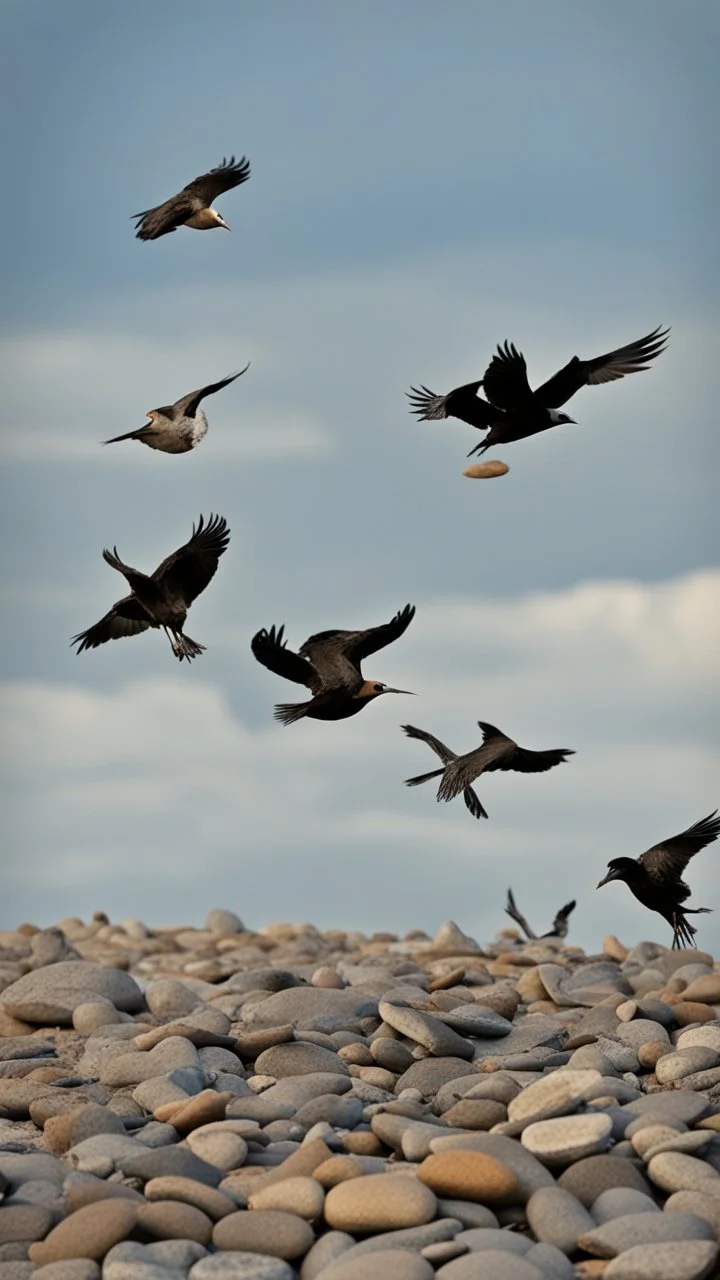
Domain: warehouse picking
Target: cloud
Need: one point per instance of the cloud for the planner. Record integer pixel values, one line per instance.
(161, 799)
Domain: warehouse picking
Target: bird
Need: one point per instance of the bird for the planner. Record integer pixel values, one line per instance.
(178, 427)
(512, 411)
(192, 207)
(655, 877)
(163, 598)
(497, 752)
(329, 664)
(559, 925)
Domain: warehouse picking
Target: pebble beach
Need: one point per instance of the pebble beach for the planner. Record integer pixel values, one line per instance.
(219, 1102)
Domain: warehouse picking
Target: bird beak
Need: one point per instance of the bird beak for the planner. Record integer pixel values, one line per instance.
(408, 691)
(610, 876)
(225, 225)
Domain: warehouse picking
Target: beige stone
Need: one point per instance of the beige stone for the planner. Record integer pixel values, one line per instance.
(281, 1235)
(379, 1202)
(87, 1233)
(302, 1196)
(216, 1204)
(174, 1220)
(468, 1175)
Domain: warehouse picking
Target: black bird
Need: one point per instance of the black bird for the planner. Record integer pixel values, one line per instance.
(191, 207)
(655, 877)
(178, 427)
(497, 752)
(559, 925)
(163, 599)
(329, 665)
(512, 411)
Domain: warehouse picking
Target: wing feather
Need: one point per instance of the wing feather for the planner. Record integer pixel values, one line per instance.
(434, 743)
(463, 403)
(189, 569)
(522, 761)
(505, 381)
(126, 618)
(665, 862)
(198, 194)
(271, 650)
(577, 373)
(188, 406)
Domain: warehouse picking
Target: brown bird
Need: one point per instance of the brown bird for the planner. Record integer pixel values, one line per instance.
(497, 752)
(178, 427)
(655, 878)
(191, 207)
(163, 599)
(559, 925)
(329, 665)
(512, 411)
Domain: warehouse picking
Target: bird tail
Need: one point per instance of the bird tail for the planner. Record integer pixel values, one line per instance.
(452, 782)
(289, 712)
(423, 777)
(129, 435)
(472, 800)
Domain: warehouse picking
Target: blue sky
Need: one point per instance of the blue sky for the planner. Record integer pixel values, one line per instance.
(426, 182)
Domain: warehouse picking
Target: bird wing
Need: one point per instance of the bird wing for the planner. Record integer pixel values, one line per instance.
(223, 177)
(126, 618)
(579, 373)
(198, 194)
(271, 650)
(463, 403)
(188, 570)
(560, 923)
(515, 914)
(437, 746)
(665, 862)
(338, 654)
(506, 382)
(518, 758)
(187, 407)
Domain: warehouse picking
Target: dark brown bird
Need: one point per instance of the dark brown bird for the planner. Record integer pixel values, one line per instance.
(497, 752)
(655, 878)
(559, 925)
(329, 665)
(163, 599)
(512, 411)
(191, 207)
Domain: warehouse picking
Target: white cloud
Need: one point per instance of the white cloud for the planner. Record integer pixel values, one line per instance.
(158, 799)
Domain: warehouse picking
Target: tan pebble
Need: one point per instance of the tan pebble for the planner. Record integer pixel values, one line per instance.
(303, 1196)
(379, 1202)
(251, 1044)
(325, 977)
(337, 1169)
(174, 1220)
(361, 1142)
(614, 949)
(87, 1233)
(501, 999)
(89, 1191)
(381, 1264)
(17, 1095)
(627, 1010)
(216, 1204)
(531, 987)
(442, 981)
(48, 1075)
(269, 1231)
(486, 470)
(475, 1113)
(356, 1055)
(225, 1150)
(649, 1137)
(710, 1122)
(57, 1130)
(688, 1011)
(10, 1026)
(589, 1268)
(304, 1161)
(650, 1053)
(202, 1109)
(706, 989)
(468, 1175)
(377, 1076)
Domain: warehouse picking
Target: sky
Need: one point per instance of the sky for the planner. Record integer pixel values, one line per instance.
(427, 181)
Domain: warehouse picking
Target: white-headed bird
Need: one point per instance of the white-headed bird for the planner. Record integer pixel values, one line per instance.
(178, 427)
(192, 207)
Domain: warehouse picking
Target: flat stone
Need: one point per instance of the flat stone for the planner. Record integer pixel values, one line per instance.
(222, 1149)
(551, 1261)
(568, 1138)
(706, 989)
(468, 1213)
(69, 1269)
(87, 1233)
(169, 1162)
(386, 1265)
(492, 1265)
(529, 1173)
(699, 1203)
(379, 1202)
(621, 1234)
(558, 1218)
(430, 1074)
(468, 1175)
(172, 1219)
(49, 995)
(326, 1250)
(303, 1196)
(619, 1202)
(674, 1171)
(708, 1035)
(302, 1006)
(24, 1222)
(412, 1238)
(692, 1260)
(241, 1265)
(393, 1055)
(191, 1113)
(299, 1059)
(480, 1239)
(342, 1112)
(673, 1066)
(475, 1113)
(528, 1033)
(679, 1106)
(216, 1204)
(640, 1031)
(131, 1068)
(426, 1030)
(282, 1235)
(476, 1020)
(555, 1095)
(689, 1143)
(588, 1178)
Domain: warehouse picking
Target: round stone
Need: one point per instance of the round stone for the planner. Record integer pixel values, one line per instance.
(468, 1175)
(674, 1171)
(212, 1202)
(220, 920)
(328, 978)
(558, 1218)
(486, 470)
(674, 1066)
(87, 1233)
(621, 1234)
(691, 1260)
(495, 1264)
(282, 1235)
(23, 1222)
(698, 1203)
(387, 1264)
(93, 1014)
(619, 1202)
(476, 1113)
(241, 1266)
(302, 1196)
(51, 994)
(173, 1220)
(588, 1178)
(299, 1058)
(568, 1138)
(223, 1150)
(69, 1269)
(379, 1202)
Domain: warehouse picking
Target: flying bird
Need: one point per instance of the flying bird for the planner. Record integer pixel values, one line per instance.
(512, 411)
(497, 752)
(163, 599)
(559, 925)
(178, 427)
(192, 207)
(655, 878)
(329, 664)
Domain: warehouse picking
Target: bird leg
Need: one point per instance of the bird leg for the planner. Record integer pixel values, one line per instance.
(183, 646)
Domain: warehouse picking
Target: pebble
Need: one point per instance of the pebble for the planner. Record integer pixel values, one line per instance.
(568, 1138)
(528, 1172)
(69, 1269)
(282, 1235)
(299, 1058)
(302, 1196)
(390, 1264)
(674, 1171)
(692, 1260)
(553, 1095)
(425, 1030)
(622, 1234)
(468, 1175)
(618, 1202)
(87, 1233)
(379, 1202)
(216, 1204)
(558, 1218)
(492, 1265)
(327, 1249)
(173, 1220)
(588, 1178)
(241, 1266)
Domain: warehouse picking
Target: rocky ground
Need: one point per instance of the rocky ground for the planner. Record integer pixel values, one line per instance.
(219, 1103)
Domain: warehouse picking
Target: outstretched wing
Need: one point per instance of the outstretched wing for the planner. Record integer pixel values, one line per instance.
(188, 570)
(506, 382)
(463, 403)
(198, 194)
(560, 923)
(363, 643)
(518, 758)
(665, 862)
(271, 650)
(437, 746)
(187, 407)
(632, 358)
(338, 654)
(126, 618)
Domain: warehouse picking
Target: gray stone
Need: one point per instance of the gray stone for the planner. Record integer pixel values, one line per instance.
(147, 1270)
(49, 995)
(430, 1074)
(468, 1213)
(219, 920)
(558, 1218)
(703, 1205)
(496, 1264)
(623, 1056)
(69, 1269)
(342, 1112)
(568, 1138)
(416, 1238)
(298, 1058)
(686, 1061)
(241, 1266)
(167, 998)
(556, 1094)
(674, 1171)
(621, 1234)
(327, 1249)
(480, 1239)
(176, 1162)
(708, 1034)
(588, 1178)
(426, 1030)
(171, 1054)
(527, 1033)
(302, 1006)
(297, 1090)
(642, 1031)
(692, 1260)
(679, 1105)
(111, 1146)
(551, 1261)
(37, 1191)
(476, 1020)
(590, 1058)
(530, 1174)
(214, 1058)
(619, 1202)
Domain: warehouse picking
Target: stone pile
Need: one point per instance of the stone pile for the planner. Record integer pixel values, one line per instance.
(192, 1104)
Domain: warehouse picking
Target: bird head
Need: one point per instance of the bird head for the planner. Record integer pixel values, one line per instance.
(618, 869)
(375, 688)
(219, 220)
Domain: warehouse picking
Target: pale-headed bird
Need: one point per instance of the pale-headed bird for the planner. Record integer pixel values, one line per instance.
(178, 427)
(192, 207)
